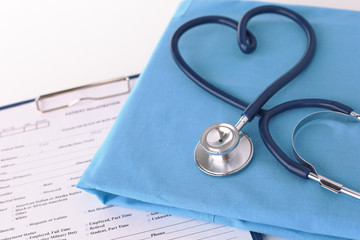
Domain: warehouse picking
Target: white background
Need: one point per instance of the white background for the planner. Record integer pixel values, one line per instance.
(48, 45)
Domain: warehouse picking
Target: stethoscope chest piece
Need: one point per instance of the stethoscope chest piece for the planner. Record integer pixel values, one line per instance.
(223, 150)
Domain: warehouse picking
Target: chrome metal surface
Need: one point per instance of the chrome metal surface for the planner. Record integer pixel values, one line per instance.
(76, 101)
(357, 115)
(334, 186)
(325, 182)
(229, 162)
(330, 184)
(350, 192)
(242, 121)
(219, 138)
(298, 126)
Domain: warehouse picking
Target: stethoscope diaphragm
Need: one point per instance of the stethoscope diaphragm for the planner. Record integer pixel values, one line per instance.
(223, 150)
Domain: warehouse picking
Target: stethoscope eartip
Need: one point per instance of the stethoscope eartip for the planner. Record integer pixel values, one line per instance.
(223, 150)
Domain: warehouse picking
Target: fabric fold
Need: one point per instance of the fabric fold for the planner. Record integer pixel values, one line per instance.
(146, 161)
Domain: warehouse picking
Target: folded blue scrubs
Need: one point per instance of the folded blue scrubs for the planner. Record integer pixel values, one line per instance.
(146, 161)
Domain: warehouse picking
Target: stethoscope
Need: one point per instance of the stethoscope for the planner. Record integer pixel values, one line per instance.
(223, 148)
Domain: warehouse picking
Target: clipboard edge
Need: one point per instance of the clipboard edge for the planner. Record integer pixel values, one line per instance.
(12, 105)
(16, 104)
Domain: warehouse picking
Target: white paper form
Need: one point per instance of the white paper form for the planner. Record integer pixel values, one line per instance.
(42, 157)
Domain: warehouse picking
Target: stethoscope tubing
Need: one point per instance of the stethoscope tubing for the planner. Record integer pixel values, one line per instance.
(247, 47)
(195, 77)
(292, 166)
(247, 43)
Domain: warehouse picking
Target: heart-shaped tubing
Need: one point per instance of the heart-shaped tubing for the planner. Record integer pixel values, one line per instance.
(297, 168)
(247, 43)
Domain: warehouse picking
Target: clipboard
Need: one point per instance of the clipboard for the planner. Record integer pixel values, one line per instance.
(38, 100)
(60, 137)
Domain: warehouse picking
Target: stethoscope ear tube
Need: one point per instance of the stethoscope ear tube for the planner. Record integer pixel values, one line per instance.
(303, 168)
(292, 166)
(314, 175)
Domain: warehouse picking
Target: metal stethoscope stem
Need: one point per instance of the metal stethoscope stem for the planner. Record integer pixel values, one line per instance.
(333, 186)
(241, 123)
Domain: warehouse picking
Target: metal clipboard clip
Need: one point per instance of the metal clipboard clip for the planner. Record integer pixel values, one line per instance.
(77, 100)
